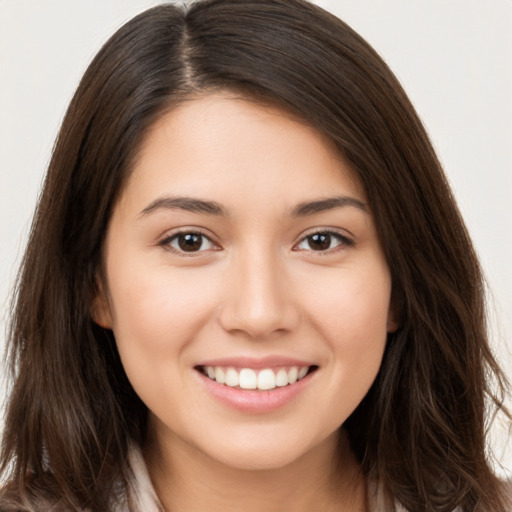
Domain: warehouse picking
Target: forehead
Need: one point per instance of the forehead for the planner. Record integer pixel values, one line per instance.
(228, 145)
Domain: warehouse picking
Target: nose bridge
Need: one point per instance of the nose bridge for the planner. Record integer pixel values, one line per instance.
(259, 302)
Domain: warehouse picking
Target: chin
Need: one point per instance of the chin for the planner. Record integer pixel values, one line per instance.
(250, 461)
(267, 452)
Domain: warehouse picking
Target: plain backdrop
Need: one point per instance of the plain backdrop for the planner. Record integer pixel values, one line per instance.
(453, 57)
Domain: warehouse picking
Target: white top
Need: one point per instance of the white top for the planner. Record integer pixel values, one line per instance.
(143, 497)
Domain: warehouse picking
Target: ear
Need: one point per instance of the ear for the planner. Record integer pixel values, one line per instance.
(393, 324)
(394, 313)
(100, 306)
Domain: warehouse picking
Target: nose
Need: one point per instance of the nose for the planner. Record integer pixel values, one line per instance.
(259, 297)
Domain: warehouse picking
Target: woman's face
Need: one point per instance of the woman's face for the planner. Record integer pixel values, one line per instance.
(242, 253)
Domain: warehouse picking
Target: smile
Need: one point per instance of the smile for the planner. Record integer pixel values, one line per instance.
(256, 386)
(263, 379)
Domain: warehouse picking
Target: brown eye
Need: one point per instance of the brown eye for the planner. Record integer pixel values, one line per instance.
(319, 241)
(189, 242)
(323, 241)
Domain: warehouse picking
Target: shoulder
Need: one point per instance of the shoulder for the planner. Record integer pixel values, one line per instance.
(141, 494)
(380, 501)
(41, 494)
(507, 490)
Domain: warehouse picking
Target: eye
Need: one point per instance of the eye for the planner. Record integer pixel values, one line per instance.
(323, 241)
(189, 242)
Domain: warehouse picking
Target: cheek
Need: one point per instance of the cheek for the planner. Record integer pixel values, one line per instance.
(157, 313)
(354, 327)
(158, 310)
(351, 314)
(351, 305)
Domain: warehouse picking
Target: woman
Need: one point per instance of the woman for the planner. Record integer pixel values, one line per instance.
(247, 284)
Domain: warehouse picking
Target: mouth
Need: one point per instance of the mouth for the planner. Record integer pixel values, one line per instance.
(261, 379)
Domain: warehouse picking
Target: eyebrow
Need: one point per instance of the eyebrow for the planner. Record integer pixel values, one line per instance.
(187, 204)
(329, 203)
(213, 208)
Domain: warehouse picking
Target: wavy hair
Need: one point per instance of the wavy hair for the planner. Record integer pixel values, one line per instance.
(72, 413)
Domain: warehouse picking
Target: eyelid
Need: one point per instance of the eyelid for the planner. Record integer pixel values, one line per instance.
(344, 239)
(185, 230)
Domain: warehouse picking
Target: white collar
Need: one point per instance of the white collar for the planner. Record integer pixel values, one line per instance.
(142, 496)
(141, 493)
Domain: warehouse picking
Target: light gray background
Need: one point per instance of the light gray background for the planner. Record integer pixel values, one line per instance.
(453, 57)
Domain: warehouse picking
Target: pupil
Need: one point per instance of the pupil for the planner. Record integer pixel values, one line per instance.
(190, 242)
(320, 242)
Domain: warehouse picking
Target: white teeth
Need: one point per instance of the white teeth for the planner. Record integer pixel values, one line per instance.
(220, 376)
(266, 379)
(293, 373)
(247, 378)
(231, 378)
(281, 378)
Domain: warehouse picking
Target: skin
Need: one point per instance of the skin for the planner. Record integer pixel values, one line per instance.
(258, 286)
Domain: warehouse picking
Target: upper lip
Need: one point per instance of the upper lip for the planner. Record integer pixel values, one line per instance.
(271, 361)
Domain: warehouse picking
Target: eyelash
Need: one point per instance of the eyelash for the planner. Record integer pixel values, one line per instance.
(166, 242)
(343, 242)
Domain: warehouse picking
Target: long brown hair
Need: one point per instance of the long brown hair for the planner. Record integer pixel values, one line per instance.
(72, 413)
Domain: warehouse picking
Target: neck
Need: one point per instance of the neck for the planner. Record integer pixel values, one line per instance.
(327, 478)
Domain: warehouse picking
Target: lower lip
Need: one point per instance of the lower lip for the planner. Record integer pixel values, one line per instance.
(253, 401)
